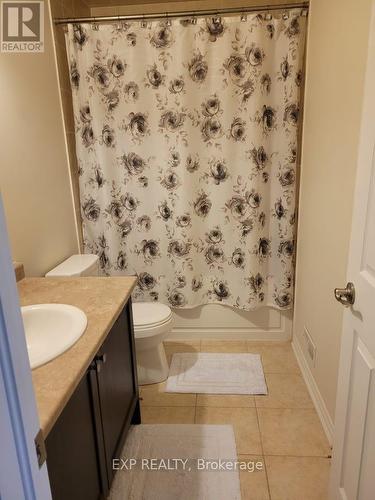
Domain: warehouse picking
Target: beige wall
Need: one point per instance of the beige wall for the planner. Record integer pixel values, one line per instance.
(34, 174)
(336, 55)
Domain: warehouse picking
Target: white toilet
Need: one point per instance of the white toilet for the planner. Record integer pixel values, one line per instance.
(76, 265)
(152, 322)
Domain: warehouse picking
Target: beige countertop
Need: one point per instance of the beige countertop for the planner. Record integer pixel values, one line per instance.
(102, 299)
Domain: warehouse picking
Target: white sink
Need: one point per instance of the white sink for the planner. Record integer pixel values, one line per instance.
(51, 329)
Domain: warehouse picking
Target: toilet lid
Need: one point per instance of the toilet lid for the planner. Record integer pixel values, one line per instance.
(150, 313)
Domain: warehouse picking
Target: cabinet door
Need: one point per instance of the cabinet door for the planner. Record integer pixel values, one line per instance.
(72, 457)
(117, 386)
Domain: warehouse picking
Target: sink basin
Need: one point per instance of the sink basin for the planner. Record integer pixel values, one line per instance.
(51, 329)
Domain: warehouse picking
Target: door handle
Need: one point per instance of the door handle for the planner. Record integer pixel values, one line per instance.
(99, 360)
(346, 296)
(102, 358)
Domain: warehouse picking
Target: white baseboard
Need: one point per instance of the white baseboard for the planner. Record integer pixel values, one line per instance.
(316, 397)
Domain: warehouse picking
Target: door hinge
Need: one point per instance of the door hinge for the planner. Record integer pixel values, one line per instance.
(40, 448)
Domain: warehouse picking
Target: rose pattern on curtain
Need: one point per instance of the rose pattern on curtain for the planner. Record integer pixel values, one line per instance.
(186, 138)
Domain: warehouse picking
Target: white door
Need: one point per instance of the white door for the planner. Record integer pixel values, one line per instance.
(22, 475)
(353, 466)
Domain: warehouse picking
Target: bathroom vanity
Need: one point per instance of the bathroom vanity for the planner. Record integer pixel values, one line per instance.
(87, 397)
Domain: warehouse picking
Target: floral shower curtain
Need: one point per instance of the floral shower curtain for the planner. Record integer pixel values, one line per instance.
(186, 135)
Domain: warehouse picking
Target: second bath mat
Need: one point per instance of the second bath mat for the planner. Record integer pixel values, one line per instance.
(164, 462)
(214, 373)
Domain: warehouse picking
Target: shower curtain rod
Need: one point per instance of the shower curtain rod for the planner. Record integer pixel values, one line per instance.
(189, 13)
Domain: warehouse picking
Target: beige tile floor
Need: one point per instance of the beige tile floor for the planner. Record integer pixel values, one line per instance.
(282, 430)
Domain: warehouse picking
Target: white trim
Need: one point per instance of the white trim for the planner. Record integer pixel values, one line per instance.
(20, 476)
(313, 389)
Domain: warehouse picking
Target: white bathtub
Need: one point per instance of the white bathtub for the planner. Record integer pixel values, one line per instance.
(214, 321)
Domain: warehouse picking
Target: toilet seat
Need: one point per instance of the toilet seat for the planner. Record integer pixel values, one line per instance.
(150, 319)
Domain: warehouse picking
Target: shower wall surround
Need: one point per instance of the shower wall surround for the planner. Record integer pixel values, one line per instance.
(130, 7)
(186, 138)
(68, 8)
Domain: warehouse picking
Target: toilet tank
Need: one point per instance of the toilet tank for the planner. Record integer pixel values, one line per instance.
(76, 265)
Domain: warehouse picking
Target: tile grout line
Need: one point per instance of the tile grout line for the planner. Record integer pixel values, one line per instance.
(232, 407)
(286, 456)
(296, 408)
(324, 457)
(263, 456)
(195, 410)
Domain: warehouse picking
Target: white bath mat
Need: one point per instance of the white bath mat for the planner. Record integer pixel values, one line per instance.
(181, 477)
(213, 373)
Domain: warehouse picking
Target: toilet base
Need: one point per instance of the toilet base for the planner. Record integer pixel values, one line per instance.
(152, 365)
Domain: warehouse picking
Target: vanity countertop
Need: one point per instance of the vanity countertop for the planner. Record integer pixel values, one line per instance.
(102, 299)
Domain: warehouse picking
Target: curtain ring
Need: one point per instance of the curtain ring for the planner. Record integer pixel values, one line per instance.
(304, 12)
(167, 18)
(143, 22)
(285, 15)
(243, 17)
(268, 16)
(193, 20)
(94, 25)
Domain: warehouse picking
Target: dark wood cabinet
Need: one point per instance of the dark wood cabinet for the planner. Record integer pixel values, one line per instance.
(115, 376)
(92, 428)
(72, 454)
